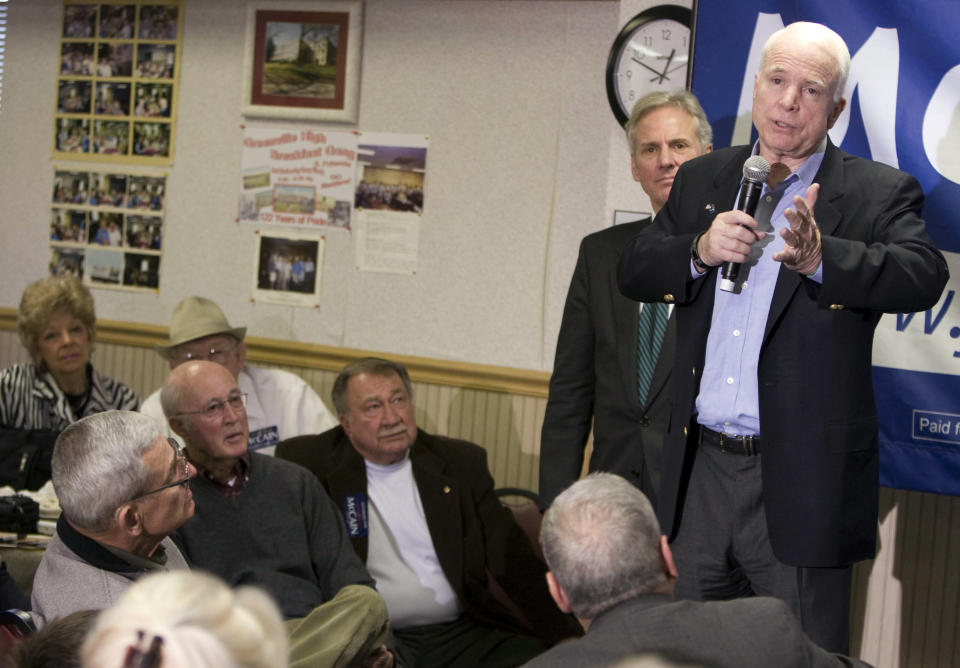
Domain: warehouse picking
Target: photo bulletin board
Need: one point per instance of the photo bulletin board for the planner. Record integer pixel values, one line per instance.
(106, 228)
(119, 70)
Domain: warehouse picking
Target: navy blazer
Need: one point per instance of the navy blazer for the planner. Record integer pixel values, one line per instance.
(818, 420)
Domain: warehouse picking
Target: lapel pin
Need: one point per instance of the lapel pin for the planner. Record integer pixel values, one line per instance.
(446, 489)
(711, 209)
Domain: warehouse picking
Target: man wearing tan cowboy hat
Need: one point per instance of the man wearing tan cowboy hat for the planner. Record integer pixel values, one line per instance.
(280, 405)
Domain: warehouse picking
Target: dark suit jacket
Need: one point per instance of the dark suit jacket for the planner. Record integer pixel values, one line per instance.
(595, 379)
(743, 633)
(472, 532)
(818, 423)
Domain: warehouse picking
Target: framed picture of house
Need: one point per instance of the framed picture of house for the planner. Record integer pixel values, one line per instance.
(302, 60)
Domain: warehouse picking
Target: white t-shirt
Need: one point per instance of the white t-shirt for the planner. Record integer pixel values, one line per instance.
(400, 553)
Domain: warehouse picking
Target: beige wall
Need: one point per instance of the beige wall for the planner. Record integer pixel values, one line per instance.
(511, 95)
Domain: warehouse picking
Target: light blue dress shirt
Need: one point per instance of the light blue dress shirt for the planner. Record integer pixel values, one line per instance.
(729, 398)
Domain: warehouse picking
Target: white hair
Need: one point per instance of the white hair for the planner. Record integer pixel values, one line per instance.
(815, 33)
(200, 622)
(98, 465)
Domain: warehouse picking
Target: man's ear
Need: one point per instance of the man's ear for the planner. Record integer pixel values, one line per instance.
(177, 425)
(666, 558)
(835, 112)
(128, 519)
(556, 592)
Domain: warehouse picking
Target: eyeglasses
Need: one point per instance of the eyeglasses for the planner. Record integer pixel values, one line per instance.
(214, 410)
(218, 355)
(181, 468)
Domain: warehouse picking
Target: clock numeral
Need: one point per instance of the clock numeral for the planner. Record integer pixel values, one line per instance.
(666, 34)
(647, 40)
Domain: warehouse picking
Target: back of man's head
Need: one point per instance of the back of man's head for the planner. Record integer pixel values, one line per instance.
(601, 541)
(98, 465)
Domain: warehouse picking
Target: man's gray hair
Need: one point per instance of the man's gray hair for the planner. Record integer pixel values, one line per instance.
(601, 540)
(375, 366)
(820, 34)
(681, 99)
(98, 465)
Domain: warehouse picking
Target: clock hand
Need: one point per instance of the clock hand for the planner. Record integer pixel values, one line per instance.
(678, 67)
(663, 75)
(640, 62)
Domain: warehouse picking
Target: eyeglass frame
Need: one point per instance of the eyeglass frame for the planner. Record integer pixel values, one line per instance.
(214, 410)
(216, 354)
(183, 464)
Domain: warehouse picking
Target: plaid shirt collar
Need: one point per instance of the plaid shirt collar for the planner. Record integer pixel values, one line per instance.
(234, 486)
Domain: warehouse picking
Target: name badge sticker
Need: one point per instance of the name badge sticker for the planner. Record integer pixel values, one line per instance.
(263, 438)
(355, 515)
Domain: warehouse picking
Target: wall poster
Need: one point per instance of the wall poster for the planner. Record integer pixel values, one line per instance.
(297, 177)
(389, 200)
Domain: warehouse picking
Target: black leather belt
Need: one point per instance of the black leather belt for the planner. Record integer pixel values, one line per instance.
(737, 445)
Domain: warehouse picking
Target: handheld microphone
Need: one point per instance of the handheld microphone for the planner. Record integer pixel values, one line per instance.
(755, 171)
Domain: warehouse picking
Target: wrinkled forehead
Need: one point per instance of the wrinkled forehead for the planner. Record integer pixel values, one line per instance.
(811, 44)
(811, 62)
(366, 385)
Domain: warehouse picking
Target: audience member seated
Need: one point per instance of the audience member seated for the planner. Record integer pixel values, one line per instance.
(267, 522)
(122, 487)
(279, 404)
(610, 566)
(422, 514)
(188, 619)
(56, 645)
(39, 399)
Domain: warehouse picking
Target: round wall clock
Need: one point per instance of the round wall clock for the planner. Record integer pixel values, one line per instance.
(651, 53)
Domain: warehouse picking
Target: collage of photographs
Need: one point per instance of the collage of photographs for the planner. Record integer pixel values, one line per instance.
(107, 228)
(117, 82)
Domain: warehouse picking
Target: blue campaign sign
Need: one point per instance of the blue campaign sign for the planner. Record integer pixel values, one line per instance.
(903, 109)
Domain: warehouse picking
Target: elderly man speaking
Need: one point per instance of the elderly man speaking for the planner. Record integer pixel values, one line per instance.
(772, 448)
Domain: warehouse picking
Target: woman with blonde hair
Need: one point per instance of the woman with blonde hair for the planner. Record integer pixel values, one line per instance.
(188, 619)
(38, 399)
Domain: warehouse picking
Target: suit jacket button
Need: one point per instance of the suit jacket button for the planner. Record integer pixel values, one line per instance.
(645, 422)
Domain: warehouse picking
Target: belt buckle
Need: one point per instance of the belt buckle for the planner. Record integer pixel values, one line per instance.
(747, 443)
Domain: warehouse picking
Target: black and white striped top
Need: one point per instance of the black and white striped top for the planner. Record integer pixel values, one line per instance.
(31, 399)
